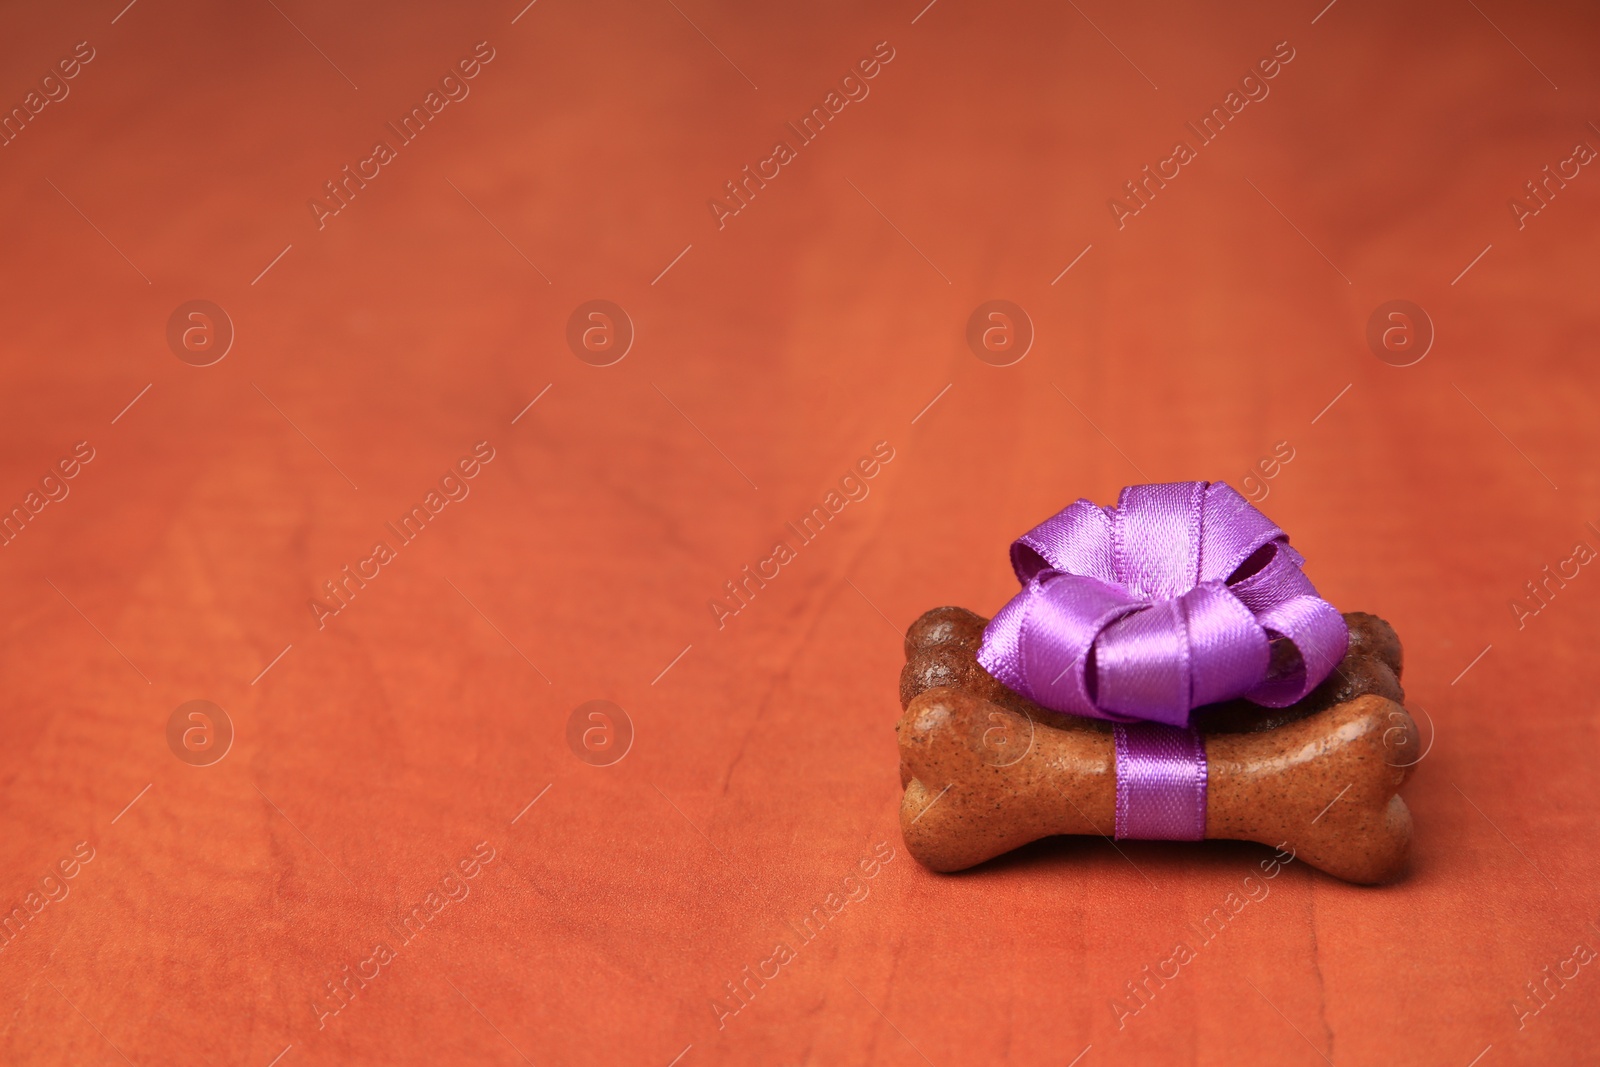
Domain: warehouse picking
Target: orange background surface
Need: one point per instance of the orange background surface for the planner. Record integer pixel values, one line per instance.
(374, 753)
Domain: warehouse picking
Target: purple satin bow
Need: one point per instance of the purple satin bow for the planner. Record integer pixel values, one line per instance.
(1160, 605)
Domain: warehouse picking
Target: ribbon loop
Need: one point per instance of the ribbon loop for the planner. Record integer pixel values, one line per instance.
(1075, 540)
(1157, 549)
(1165, 603)
(1142, 666)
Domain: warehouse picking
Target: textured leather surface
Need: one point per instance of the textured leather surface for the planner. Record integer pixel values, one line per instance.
(385, 756)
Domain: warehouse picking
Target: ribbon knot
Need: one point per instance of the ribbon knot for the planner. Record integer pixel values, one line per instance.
(1165, 603)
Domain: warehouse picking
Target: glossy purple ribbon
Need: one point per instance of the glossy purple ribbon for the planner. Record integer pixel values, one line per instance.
(1158, 606)
(1161, 782)
(1143, 612)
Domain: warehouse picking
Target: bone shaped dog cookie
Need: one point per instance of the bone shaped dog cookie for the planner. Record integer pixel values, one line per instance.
(987, 770)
